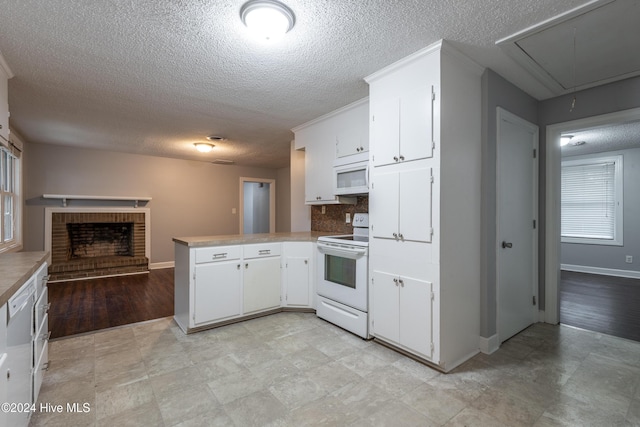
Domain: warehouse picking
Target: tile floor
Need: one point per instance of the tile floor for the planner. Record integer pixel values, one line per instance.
(293, 369)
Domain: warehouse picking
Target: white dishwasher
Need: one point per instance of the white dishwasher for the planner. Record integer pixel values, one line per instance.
(16, 370)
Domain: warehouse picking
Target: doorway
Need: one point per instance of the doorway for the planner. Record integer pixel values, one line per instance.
(516, 206)
(553, 199)
(257, 205)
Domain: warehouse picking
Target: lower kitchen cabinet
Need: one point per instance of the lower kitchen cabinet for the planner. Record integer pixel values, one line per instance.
(403, 312)
(217, 291)
(3, 361)
(261, 284)
(298, 270)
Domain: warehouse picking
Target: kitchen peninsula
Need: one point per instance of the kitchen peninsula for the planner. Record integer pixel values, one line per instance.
(229, 278)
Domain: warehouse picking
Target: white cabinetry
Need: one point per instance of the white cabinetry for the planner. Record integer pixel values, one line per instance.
(298, 273)
(404, 308)
(217, 284)
(41, 330)
(424, 205)
(221, 284)
(3, 362)
(340, 133)
(262, 277)
(402, 125)
(400, 204)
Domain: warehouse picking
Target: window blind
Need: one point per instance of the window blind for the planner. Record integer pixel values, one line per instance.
(588, 200)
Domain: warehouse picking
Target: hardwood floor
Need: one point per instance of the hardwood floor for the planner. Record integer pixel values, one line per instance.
(88, 305)
(606, 304)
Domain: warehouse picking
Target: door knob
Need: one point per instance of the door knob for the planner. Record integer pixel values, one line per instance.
(507, 245)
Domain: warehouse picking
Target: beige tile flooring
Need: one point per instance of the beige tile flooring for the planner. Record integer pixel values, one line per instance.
(293, 369)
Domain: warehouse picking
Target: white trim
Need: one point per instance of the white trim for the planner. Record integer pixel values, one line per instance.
(600, 270)
(502, 114)
(48, 213)
(161, 265)
(489, 345)
(272, 202)
(552, 234)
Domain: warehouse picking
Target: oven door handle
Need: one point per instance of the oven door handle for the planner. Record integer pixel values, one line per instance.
(330, 249)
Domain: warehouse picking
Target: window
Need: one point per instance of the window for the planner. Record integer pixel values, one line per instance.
(592, 200)
(9, 201)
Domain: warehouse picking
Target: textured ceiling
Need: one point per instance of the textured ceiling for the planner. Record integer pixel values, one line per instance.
(620, 136)
(155, 76)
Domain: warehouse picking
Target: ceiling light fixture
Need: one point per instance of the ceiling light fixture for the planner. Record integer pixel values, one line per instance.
(564, 140)
(204, 147)
(267, 19)
(215, 138)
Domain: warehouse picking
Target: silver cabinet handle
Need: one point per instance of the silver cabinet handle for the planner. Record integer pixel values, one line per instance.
(238, 266)
(46, 337)
(246, 265)
(401, 236)
(220, 255)
(401, 282)
(395, 235)
(264, 251)
(401, 157)
(395, 158)
(395, 280)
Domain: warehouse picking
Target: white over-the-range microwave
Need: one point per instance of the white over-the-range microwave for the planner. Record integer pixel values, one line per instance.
(351, 178)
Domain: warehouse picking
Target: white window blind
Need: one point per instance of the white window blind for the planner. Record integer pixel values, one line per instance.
(591, 200)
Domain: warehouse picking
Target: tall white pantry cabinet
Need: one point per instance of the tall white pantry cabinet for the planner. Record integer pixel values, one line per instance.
(424, 205)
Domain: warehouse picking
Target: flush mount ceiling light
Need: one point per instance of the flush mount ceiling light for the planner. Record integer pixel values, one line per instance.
(564, 140)
(204, 147)
(267, 19)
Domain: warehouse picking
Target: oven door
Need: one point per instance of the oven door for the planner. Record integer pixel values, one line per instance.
(342, 274)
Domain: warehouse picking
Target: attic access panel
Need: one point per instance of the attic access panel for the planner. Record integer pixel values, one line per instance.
(607, 42)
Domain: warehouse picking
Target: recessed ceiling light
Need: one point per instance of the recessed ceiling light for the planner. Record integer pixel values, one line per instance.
(267, 19)
(204, 147)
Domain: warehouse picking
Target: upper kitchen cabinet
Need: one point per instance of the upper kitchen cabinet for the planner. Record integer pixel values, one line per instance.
(402, 122)
(343, 131)
(5, 75)
(425, 205)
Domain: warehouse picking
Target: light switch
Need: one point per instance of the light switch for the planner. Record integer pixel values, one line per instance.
(233, 211)
(348, 220)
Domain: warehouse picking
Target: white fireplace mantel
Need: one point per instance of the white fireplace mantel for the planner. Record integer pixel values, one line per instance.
(65, 197)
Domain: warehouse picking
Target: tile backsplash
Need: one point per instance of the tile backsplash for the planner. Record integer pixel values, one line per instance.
(333, 220)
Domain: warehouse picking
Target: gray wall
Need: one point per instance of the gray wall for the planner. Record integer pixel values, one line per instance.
(496, 92)
(605, 256)
(190, 198)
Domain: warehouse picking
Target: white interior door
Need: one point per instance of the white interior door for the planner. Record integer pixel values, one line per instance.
(516, 233)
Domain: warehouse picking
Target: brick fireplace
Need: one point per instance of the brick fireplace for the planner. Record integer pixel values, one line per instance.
(94, 243)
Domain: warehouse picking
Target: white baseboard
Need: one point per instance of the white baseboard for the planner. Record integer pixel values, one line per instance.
(160, 265)
(489, 345)
(604, 271)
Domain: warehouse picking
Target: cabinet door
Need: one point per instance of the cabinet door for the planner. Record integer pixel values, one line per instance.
(318, 185)
(415, 205)
(416, 315)
(383, 204)
(386, 306)
(385, 131)
(350, 141)
(416, 124)
(297, 281)
(217, 291)
(261, 284)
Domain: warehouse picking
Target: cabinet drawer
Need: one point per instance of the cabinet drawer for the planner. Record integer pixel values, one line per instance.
(262, 250)
(218, 253)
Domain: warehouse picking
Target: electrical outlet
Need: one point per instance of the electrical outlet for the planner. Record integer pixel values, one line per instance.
(348, 219)
(628, 259)
(324, 209)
